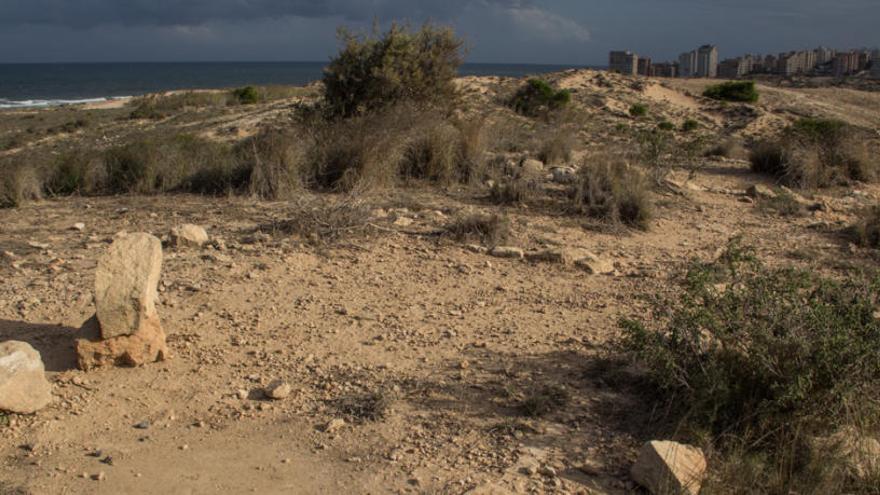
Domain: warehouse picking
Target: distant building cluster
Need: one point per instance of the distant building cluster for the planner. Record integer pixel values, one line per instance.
(703, 62)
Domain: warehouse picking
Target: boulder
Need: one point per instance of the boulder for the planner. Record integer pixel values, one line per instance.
(278, 390)
(531, 168)
(188, 235)
(507, 252)
(668, 467)
(593, 264)
(563, 175)
(145, 346)
(23, 385)
(125, 283)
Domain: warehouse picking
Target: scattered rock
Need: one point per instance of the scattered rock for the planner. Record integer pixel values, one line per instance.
(335, 424)
(188, 235)
(125, 284)
(559, 256)
(507, 252)
(79, 226)
(403, 222)
(23, 385)
(278, 390)
(563, 175)
(126, 329)
(760, 191)
(594, 264)
(670, 467)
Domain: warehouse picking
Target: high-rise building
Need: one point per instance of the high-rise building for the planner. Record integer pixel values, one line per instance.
(824, 55)
(875, 64)
(845, 63)
(687, 64)
(645, 67)
(734, 68)
(624, 62)
(707, 61)
(666, 69)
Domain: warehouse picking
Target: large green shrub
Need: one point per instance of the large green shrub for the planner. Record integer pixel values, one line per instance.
(736, 91)
(538, 98)
(375, 71)
(759, 361)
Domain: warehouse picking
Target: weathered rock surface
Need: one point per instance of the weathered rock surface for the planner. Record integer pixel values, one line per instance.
(278, 390)
(23, 385)
(507, 252)
(145, 346)
(557, 256)
(125, 284)
(563, 175)
(669, 467)
(188, 235)
(593, 264)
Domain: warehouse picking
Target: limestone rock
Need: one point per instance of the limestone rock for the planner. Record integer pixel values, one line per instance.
(760, 191)
(593, 264)
(563, 175)
(23, 385)
(531, 168)
(507, 252)
(558, 256)
(145, 346)
(125, 284)
(858, 454)
(278, 390)
(669, 467)
(188, 235)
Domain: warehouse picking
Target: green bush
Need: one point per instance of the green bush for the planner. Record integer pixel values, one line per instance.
(759, 361)
(372, 72)
(538, 98)
(736, 91)
(638, 110)
(813, 153)
(690, 125)
(610, 190)
(666, 126)
(247, 95)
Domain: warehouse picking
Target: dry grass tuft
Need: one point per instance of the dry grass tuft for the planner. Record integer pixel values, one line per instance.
(609, 189)
(490, 230)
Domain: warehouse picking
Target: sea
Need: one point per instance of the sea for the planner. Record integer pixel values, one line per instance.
(41, 85)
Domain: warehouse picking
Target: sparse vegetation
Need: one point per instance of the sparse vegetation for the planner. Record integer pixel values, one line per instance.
(638, 110)
(319, 220)
(611, 190)
(544, 401)
(666, 126)
(513, 190)
(733, 91)
(538, 98)
(247, 95)
(725, 147)
(690, 125)
(375, 71)
(490, 230)
(866, 231)
(557, 149)
(813, 153)
(758, 361)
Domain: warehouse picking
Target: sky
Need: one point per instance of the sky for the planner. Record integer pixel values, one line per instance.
(570, 32)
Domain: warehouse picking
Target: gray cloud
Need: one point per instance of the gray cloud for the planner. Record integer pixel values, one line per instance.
(90, 13)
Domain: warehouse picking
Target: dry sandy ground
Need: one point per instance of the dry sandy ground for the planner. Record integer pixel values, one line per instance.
(454, 339)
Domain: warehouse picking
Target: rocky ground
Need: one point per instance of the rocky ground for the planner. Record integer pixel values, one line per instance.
(412, 359)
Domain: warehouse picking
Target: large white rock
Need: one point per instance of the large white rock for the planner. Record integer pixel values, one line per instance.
(665, 467)
(23, 385)
(188, 235)
(125, 284)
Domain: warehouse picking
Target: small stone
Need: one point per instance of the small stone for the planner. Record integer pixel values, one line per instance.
(403, 222)
(591, 263)
(563, 175)
(188, 235)
(24, 388)
(278, 390)
(334, 425)
(143, 425)
(507, 252)
(79, 226)
(670, 467)
(241, 394)
(99, 477)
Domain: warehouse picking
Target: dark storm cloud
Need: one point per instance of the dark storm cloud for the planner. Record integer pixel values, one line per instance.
(89, 13)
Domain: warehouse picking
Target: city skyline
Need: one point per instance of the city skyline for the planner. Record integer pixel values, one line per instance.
(569, 32)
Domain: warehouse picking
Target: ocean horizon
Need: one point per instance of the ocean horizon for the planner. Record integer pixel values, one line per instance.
(26, 85)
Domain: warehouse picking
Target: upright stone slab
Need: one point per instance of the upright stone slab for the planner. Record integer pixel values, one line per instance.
(668, 467)
(125, 284)
(23, 385)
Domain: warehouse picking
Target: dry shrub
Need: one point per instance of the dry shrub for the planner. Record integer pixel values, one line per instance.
(557, 148)
(513, 190)
(609, 189)
(815, 153)
(277, 161)
(475, 139)
(490, 230)
(323, 220)
(434, 154)
(18, 183)
(866, 231)
(78, 171)
(727, 148)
